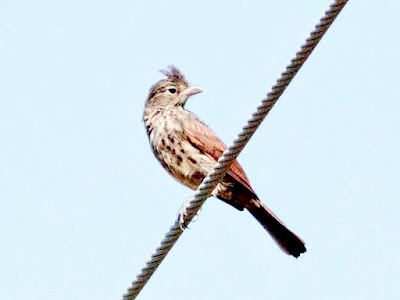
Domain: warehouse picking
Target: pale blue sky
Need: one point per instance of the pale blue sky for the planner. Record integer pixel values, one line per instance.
(83, 202)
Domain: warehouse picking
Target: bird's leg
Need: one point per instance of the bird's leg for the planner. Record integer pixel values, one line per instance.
(184, 215)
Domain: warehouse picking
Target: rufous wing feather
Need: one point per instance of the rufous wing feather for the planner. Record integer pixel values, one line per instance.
(204, 139)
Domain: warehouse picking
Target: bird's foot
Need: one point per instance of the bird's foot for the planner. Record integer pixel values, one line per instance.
(184, 216)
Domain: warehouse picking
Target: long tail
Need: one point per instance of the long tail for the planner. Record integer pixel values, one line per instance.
(287, 240)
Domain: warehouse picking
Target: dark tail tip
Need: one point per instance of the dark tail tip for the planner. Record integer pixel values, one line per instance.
(289, 242)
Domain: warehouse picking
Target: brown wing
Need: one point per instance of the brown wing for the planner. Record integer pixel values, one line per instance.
(204, 139)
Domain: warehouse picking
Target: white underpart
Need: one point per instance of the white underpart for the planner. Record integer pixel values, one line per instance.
(183, 166)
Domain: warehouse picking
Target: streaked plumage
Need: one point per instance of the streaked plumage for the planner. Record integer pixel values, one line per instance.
(188, 149)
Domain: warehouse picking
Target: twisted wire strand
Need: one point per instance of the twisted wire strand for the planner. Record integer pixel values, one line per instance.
(220, 169)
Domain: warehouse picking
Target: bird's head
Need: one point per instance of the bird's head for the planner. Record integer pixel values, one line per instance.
(171, 92)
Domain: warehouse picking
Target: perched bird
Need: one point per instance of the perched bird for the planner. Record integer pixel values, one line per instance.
(188, 149)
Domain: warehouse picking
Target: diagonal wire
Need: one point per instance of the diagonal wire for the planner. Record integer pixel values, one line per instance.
(225, 161)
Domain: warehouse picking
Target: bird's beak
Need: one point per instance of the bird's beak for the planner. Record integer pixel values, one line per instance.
(192, 90)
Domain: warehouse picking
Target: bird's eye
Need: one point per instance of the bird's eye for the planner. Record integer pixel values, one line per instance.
(172, 90)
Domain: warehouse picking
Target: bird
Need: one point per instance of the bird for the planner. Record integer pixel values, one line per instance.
(188, 150)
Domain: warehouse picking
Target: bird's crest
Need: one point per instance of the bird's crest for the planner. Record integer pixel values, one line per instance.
(173, 74)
